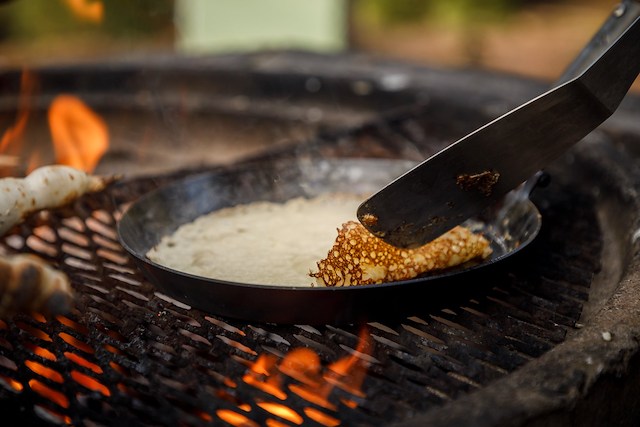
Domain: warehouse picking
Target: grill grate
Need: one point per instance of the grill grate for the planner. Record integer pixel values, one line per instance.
(129, 355)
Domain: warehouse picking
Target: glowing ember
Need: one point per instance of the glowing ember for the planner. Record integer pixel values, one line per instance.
(11, 384)
(272, 387)
(53, 415)
(48, 393)
(234, 418)
(83, 362)
(80, 136)
(76, 342)
(282, 412)
(68, 322)
(318, 396)
(204, 416)
(39, 317)
(41, 352)
(118, 368)
(87, 10)
(321, 417)
(90, 383)
(34, 332)
(112, 349)
(44, 371)
(229, 382)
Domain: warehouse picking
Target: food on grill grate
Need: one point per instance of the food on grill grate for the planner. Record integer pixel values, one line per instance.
(359, 258)
(28, 283)
(45, 188)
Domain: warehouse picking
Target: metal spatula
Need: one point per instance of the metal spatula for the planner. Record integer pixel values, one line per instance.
(479, 169)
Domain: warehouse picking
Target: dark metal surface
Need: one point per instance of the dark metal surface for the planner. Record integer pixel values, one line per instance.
(521, 349)
(480, 168)
(622, 17)
(130, 352)
(159, 214)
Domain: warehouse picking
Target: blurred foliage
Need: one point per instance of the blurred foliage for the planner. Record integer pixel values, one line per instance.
(399, 12)
(32, 19)
(396, 12)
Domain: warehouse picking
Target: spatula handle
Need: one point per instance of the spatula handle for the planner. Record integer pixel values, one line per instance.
(620, 19)
(623, 16)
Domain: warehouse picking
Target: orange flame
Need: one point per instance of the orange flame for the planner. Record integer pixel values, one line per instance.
(11, 140)
(80, 136)
(302, 364)
(348, 373)
(314, 383)
(260, 376)
(13, 135)
(87, 10)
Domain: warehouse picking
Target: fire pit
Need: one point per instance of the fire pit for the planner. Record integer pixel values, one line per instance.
(549, 338)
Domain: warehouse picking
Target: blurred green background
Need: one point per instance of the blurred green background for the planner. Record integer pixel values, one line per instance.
(411, 11)
(36, 19)
(531, 37)
(49, 30)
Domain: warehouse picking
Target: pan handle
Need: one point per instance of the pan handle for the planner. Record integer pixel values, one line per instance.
(620, 19)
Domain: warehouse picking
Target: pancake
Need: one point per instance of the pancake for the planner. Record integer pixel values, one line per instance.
(294, 244)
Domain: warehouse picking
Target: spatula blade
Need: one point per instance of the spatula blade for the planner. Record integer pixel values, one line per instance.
(481, 168)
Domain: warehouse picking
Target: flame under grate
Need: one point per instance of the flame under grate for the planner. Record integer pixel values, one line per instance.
(132, 356)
